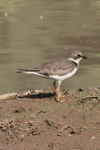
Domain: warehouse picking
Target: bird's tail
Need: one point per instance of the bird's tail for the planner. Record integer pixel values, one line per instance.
(28, 71)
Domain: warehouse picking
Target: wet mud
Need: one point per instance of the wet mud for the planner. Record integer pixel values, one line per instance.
(39, 122)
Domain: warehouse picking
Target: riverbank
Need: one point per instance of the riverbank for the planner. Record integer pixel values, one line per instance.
(38, 121)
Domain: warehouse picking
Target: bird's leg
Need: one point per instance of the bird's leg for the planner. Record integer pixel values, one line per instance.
(59, 96)
(56, 88)
(54, 84)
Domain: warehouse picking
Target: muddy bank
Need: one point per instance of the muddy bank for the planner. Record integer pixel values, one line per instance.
(39, 122)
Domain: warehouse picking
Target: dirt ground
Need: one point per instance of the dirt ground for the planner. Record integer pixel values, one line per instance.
(41, 123)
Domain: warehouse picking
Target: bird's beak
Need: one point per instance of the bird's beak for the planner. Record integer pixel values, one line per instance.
(84, 57)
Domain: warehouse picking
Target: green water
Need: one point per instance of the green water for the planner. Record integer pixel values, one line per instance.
(33, 32)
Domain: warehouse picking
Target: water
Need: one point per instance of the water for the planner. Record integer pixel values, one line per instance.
(35, 32)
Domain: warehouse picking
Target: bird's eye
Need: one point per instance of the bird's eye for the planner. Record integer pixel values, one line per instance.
(79, 55)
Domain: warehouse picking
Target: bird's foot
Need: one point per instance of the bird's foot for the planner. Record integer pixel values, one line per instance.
(61, 98)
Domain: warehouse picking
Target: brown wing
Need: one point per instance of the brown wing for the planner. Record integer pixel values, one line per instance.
(59, 67)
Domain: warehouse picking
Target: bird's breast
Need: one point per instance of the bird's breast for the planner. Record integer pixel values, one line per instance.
(65, 76)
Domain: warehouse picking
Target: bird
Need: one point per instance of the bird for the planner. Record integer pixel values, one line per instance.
(58, 70)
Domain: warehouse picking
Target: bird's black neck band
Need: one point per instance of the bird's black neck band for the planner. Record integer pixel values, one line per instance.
(75, 64)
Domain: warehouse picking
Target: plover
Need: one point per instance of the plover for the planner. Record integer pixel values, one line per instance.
(58, 70)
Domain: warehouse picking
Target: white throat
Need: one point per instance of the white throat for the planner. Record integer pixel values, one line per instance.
(76, 61)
